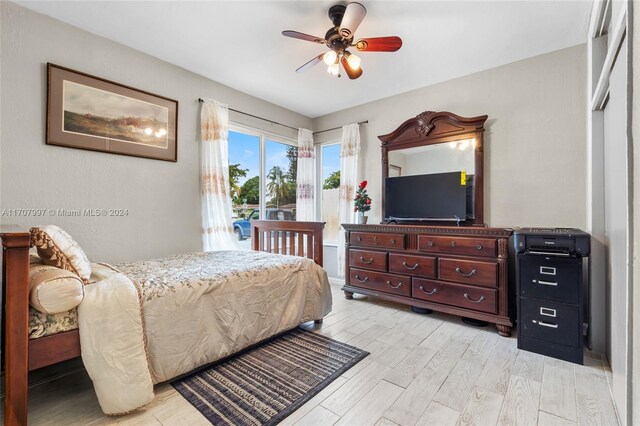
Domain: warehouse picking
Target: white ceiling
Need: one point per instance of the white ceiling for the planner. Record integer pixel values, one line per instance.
(238, 43)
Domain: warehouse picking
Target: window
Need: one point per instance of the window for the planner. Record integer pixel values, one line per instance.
(281, 171)
(262, 177)
(330, 181)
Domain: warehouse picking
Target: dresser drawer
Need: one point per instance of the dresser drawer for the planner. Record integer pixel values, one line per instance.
(550, 321)
(458, 245)
(468, 271)
(368, 259)
(371, 239)
(552, 278)
(464, 296)
(420, 266)
(387, 283)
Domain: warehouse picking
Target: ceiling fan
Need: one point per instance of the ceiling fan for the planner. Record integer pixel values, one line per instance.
(339, 38)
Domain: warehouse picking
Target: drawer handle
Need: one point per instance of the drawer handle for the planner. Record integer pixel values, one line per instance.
(434, 291)
(545, 324)
(453, 243)
(410, 267)
(430, 243)
(470, 274)
(361, 280)
(552, 283)
(359, 238)
(393, 286)
(393, 241)
(375, 238)
(479, 246)
(368, 262)
(466, 296)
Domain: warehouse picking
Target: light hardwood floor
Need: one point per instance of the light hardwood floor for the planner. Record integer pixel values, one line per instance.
(423, 370)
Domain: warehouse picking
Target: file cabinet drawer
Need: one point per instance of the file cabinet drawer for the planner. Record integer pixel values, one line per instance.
(550, 321)
(545, 277)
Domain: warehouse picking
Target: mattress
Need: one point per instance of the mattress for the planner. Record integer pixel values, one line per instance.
(201, 307)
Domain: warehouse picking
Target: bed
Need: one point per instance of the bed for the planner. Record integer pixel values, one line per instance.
(218, 304)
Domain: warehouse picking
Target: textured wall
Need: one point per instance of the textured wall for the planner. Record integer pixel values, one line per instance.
(535, 138)
(162, 197)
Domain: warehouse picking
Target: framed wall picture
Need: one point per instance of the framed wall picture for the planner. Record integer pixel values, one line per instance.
(395, 171)
(92, 113)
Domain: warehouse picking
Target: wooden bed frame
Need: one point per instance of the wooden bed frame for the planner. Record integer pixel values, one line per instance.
(21, 355)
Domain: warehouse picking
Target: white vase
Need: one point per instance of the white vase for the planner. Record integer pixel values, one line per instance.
(362, 219)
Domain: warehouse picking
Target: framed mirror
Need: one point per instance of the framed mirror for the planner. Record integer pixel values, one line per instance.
(432, 170)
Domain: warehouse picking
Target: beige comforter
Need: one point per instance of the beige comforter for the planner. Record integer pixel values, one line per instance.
(195, 309)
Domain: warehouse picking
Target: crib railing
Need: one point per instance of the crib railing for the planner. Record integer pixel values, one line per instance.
(288, 237)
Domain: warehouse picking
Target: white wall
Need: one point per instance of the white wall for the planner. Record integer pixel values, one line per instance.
(535, 147)
(162, 197)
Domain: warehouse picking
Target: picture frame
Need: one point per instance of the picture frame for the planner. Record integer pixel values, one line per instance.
(395, 171)
(92, 113)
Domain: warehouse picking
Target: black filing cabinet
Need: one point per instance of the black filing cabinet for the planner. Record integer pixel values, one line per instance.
(552, 286)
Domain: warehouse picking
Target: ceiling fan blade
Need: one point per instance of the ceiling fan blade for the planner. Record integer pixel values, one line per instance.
(353, 16)
(311, 63)
(353, 73)
(379, 44)
(302, 36)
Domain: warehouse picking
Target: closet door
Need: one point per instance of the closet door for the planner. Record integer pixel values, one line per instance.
(616, 199)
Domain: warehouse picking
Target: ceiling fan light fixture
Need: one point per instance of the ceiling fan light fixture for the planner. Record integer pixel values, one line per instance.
(353, 60)
(346, 19)
(330, 57)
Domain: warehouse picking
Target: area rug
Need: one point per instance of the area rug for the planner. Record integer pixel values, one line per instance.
(265, 384)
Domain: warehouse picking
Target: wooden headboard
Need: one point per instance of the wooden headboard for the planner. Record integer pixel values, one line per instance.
(288, 237)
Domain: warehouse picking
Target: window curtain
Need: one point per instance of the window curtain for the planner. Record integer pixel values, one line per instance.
(217, 230)
(305, 190)
(349, 153)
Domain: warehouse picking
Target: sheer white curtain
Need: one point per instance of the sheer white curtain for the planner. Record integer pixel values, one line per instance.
(305, 191)
(217, 231)
(349, 153)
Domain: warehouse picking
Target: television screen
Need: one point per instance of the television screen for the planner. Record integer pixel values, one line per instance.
(439, 196)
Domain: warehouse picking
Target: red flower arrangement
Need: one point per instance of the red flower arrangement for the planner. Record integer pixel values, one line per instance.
(362, 202)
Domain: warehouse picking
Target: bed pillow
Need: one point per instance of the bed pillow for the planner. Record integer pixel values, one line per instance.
(57, 248)
(53, 290)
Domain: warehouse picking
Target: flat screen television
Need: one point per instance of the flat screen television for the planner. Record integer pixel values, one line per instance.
(431, 197)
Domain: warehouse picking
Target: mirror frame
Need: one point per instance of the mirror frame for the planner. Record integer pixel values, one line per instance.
(430, 128)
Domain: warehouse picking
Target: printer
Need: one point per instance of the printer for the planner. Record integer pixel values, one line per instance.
(552, 241)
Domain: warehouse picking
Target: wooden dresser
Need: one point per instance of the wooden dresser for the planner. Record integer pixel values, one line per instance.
(457, 270)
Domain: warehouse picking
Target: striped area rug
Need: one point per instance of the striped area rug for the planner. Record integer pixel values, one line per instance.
(265, 384)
